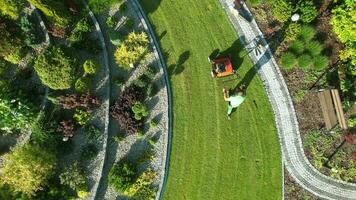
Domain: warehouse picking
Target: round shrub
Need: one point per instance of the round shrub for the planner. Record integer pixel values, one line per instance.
(139, 110)
(55, 68)
(83, 84)
(304, 61)
(297, 47)
(122, 176)
(90, 67)
(308, 11)
(282, 10)
(314, 48)
(306, 33)
(74, 177)
(81, 116)
(292, 32)
(288, 60)
(320, 62)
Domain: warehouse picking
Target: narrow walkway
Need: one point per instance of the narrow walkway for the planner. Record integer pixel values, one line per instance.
(294, 158)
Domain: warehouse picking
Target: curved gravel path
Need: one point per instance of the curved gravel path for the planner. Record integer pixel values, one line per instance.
(294, 158)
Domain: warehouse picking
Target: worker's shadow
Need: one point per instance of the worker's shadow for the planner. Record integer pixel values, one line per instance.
(178, 67)
(233, 51)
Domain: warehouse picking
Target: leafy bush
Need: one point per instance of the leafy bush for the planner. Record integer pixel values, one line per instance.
(288, 60)
(56, 11)
(320, 62)
(111, 21)
(152, 90)
(11, 8)
(121, 176)
(55, 68)
(88, 43)
(99, 6)
(10, 41)
(27, 169)
(14, 57)
(306, 33)
(304, 61)
(282, 10)
(85, 101)
(351, 122)
(343, 21)
(91, 67)
(292, 32)
(67, 128)
(144, 181)
(89, 152)
(140, 110)
(81, 30)
(81, 116)
(131, 50)
(32, 39)
(83, 84)
(308, 11)
(153, 124)
(297, 47)
(122, 112)
(92, 133)
(314, 48)
(74, 177)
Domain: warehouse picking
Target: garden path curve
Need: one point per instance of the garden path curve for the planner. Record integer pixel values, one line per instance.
(294, 158)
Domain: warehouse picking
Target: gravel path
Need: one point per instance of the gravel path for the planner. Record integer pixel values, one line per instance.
(292, 149)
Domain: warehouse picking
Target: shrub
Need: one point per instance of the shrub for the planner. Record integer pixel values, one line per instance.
(10, 41)
(320, 62)
(111, 21)
(131, 50)
(306, 33)
(56, 11)
(304, 61)
(81, 116)
(72, 101)
(28, 168)
(11, 8)
(88, 44)
(292, 32)
(67, 128)
(351, 122)
(144, 180)
(31, 37)
(83, 84)
(308, 11)
(99, 6)
(122, 176)
(152, 90)
(153, 124)
(74, 177)
(343, 21)
(140, 110)
(122, 112)
(91, 67)
(115, 37)
(282, 10)
(92, 133)
(288, 60)
(89, 152)
(80, 31)
(314, 48)
(55, 68)
(297, 47)
(14, 57)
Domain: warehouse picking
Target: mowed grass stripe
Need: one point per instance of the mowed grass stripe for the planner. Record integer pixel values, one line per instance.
(211, 157)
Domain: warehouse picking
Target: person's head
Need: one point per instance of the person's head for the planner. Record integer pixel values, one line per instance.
(240, 93)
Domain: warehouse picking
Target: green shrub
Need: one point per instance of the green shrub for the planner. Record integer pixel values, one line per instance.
(98, 6)
(32, 39)
(292, 32)
(14, 57)
(144, 180)
(306, 33)
(89, 152)
(254, 2)
(90, 67)
(11, 8)
(351, 122)
(152, 90)
(145, 193)
(83, 84)
(27, 169)
(314, 48)
(153, 140)
(282, 10)
(11, 40)
(308, 11)
(343, 21)
(130, 24)
(81, 116)
(122, 176)
(92, 133)
(119, 138)
(115, 37)
(55, 68)
(56, 11)
(153, 124)
(111, 21)
(84, 25)
(131, 50)
(74, 177)
(139, 110)
(320, 62)
(297, 47)
(304, 61)
(140, 134)
(288, 60)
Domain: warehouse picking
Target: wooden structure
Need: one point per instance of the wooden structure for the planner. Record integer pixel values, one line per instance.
(332, 108)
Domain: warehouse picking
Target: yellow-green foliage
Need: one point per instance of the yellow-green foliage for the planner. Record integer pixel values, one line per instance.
(282, 10)
(132, 49)
(56, 11)
(11, 8)
(27, 169)
(145, 180)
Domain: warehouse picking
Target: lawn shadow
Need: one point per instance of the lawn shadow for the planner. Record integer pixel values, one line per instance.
(234, 52)
(178, 67)
(150, 6)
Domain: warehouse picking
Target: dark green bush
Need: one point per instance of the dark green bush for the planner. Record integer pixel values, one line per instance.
(130, 24)
(297, 47)
(98, 6)
(304, 61)
(320, 62)
(83, 84)
(306, 33)
(55, 68)
(314, 48)
(28, 29)
(123, 7)
(115, 37)
(56, 11)
(92, 133)
(90, 67)
(111, 21)
(282, 10)
(288, 60)
(122, 176)
(74, 177)
(11, 40)
(308, 11)
(152, 90)
(89, 152)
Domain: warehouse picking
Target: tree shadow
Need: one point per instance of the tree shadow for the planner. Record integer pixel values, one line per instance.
(234, 52)
(150, 6)
(178, 67)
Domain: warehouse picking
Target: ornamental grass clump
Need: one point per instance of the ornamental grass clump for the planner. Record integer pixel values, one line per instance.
(306, 33)
(288, 60)
(304, 61)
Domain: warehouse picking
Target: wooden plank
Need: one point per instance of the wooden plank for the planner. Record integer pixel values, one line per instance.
(327, 108)
(338, 108)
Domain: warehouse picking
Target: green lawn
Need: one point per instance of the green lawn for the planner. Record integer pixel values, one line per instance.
(213, 158)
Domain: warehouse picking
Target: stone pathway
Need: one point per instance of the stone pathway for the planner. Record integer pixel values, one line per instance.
(286, 121)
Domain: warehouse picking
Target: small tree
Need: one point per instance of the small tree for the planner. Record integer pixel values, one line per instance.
(55, 68)
(27, 169)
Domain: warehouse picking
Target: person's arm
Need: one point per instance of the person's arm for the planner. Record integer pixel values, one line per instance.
(226, 94)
